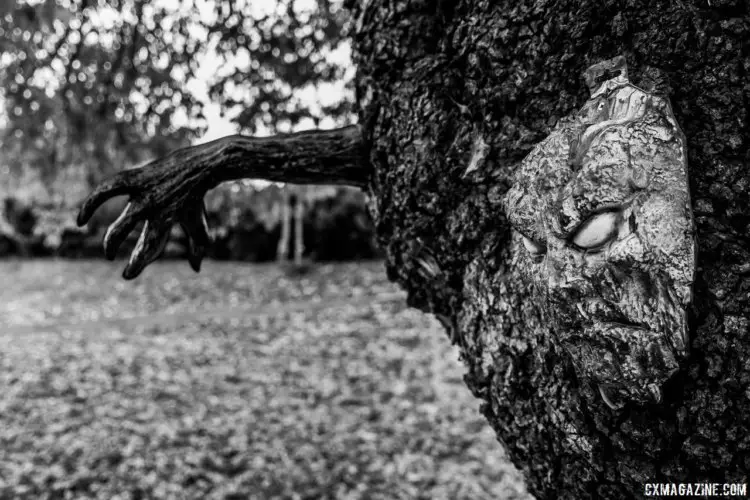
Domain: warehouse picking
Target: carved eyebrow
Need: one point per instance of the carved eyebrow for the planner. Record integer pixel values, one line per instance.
(520, 213)
(600, 209)
(539, 238)
(533, 233)
(524, 222)
(609, 206)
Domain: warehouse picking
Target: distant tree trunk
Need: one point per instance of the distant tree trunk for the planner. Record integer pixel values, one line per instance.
(444, 86)
(299, 215)
(282, 251)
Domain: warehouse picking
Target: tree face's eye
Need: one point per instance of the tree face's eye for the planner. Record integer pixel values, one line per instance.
(533, 247)
(596, 231)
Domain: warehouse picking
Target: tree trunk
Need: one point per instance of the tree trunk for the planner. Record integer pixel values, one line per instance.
(282, 251)
(299, 215)
(451, 96)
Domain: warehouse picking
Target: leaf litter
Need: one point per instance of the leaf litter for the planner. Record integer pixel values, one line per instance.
(349, 394)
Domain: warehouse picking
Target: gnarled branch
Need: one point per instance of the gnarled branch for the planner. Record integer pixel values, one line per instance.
(313, 157)
(171, 189)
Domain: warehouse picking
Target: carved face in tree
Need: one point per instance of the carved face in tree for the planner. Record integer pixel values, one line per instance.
(603, 226)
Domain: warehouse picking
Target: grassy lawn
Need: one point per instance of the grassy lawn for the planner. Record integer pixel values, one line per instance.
(239, 382)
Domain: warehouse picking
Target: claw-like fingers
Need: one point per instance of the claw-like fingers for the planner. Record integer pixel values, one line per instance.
(196, 252)
(119, 230)
(195, 225)
(151, 243)
(116, 185)
(194, 221)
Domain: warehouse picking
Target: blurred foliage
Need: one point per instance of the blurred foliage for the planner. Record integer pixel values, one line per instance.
(272, 54)
(237, 383)
(93, 86)
(244, 221)
(340, 227)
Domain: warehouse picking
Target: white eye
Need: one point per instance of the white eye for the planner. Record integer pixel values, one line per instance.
(597, 230)
(533, 247)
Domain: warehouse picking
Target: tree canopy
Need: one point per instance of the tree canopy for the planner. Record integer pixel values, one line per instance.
(93, 86)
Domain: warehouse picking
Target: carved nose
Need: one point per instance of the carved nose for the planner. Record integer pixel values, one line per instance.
(562, 285)
(557, 278)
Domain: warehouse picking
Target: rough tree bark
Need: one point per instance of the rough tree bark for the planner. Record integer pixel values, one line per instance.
(451, 97)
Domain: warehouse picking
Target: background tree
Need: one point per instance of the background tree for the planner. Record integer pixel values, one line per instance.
(296, 200)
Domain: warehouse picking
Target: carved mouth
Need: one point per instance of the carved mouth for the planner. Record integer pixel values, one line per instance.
(601, 314)
(601, 327)
(627, 324)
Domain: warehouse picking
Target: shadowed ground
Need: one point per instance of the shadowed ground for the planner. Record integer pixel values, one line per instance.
(239, 382)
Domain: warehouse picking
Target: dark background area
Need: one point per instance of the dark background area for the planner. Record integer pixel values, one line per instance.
(245, 224)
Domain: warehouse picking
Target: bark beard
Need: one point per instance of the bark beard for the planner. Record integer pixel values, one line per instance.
(452, 95)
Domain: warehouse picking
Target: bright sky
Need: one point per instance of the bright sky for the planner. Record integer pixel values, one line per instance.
(210, 65)
(219, 127)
